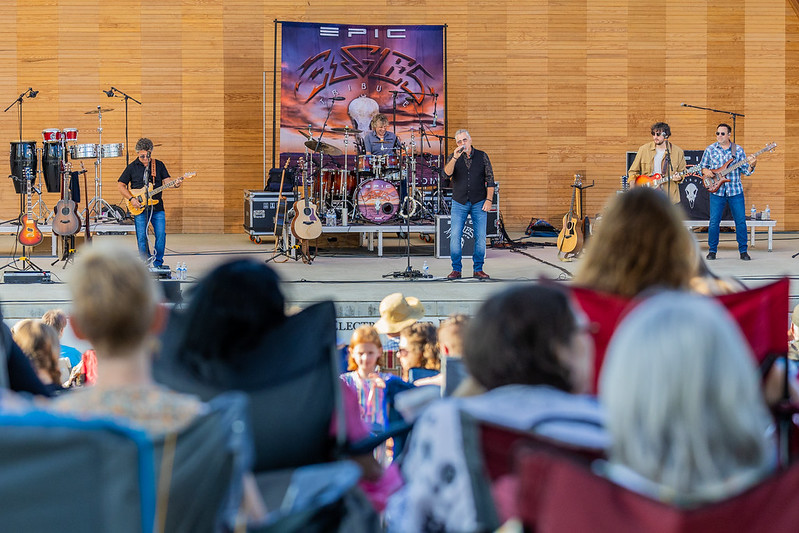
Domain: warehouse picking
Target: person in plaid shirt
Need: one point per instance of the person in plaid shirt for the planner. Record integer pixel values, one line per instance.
(730, 193)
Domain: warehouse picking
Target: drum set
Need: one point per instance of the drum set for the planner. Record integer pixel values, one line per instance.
(58, 146)
(371, 189)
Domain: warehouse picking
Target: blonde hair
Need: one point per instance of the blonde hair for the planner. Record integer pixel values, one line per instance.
(56, 318)
(114, 299)
(451, 331)
(363, 335)
(40, 342)
(640, 243)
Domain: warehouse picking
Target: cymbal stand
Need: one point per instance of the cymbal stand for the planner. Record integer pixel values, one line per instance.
(344, 175)
(97, 205)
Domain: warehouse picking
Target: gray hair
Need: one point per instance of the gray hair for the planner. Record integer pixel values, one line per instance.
(463, 131)
(683, 399)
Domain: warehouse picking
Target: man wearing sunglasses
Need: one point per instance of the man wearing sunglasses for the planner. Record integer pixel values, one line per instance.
(145, 171)
(730, 193)
(654, 158)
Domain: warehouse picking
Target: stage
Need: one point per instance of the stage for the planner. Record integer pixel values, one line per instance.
(357, 279)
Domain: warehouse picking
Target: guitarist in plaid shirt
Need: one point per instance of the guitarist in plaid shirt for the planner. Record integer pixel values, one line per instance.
(731, 193)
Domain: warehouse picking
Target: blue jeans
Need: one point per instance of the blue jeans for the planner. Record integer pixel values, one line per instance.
(158, 221)
(458, 213)
(738, 209)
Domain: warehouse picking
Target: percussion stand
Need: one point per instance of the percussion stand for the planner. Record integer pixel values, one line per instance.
(343, 186)
(111, 94)
(105, 209)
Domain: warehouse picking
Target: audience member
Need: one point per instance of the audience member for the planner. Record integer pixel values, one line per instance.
(123, 337)
(533, 359)
(793, 335)
(450, 335)
(685, 411)
(396, 313)
(418, 349)
(40, 343)
(16, 370)
(641, 243)
(58, 320)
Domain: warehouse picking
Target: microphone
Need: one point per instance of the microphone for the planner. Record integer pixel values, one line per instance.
(109, 93)
(410, 99)
(666, 135)
(337, 98)
(32, 93)
(682, 104)
(435, 117)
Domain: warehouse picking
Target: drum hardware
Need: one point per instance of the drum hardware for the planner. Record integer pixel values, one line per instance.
(97, 204)
(112, 93)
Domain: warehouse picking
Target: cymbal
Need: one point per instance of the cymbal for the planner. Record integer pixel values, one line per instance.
(305, 134)
(346, 129)
(327, 149)
(103, 110)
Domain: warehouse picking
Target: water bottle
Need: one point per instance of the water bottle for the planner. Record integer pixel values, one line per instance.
(753, 213)
(426, 270)
(177, 271)
(182, 275)
(767, 213)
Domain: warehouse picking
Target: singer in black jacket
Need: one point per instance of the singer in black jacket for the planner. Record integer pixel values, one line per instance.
(139, 174)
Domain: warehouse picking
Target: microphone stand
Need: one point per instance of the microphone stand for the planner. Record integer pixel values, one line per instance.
(126, 97)
(733, 114)
(30, 93)
(667, 166)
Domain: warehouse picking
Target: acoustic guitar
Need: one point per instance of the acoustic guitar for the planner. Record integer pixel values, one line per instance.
(714, 182)
(65, 219)
(306, 224)
(29, 234)
(145, 194)
(570, 238)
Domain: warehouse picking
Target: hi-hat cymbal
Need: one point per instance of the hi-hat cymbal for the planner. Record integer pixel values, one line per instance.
(327, 149)
(346, 129)
(103, 110)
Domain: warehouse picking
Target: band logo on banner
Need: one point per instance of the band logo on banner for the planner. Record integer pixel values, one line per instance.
(345, 75)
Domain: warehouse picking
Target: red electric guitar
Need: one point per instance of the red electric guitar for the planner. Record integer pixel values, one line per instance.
(29, 233)
(713, 183)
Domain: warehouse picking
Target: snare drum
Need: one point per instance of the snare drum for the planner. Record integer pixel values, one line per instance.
(23, 155)
(377, 200)
(52, 135)
(71, 135)
(52, 156)
(113, 150)
(83, 151)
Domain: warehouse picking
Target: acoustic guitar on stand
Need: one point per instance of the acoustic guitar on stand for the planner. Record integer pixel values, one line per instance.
(65, 220)
(570, 238)
(306, 224)
(713, 183)
(29, 233)
(145, 198)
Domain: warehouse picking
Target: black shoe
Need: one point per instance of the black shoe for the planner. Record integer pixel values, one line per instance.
(711, 255)
(745, 256)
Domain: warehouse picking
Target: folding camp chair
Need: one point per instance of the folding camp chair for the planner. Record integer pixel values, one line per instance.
(65, 474)
(558, 495)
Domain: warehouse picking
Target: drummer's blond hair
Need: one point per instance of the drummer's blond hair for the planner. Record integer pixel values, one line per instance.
(379, 119)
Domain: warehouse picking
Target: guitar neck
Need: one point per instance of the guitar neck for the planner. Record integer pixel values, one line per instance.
(166, 185)
(742, 162)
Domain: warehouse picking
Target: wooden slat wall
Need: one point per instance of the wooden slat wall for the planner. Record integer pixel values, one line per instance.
(549, 88)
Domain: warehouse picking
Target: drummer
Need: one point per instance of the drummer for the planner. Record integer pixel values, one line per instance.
(380, 141)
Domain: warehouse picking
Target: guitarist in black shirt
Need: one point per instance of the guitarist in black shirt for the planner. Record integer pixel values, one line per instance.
(140, 174)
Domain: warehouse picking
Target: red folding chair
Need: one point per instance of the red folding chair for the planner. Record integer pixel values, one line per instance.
(761, 314)
(558, 495)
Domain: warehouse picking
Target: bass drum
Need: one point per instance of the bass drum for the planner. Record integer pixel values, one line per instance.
(52, 155)
(377, 200)
(23, 155)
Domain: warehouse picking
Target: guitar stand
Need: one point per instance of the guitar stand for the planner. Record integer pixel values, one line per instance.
(27, 264)
(68, 252)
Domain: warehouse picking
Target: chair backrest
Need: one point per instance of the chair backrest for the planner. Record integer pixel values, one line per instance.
(559, 495)
(421, 373)
(761, 314)
(64, 474)
(290, 378)
(203, 466)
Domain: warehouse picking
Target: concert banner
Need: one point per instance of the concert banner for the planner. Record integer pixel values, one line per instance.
(338, 75)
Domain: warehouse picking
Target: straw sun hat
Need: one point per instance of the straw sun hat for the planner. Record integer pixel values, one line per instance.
(397, 312)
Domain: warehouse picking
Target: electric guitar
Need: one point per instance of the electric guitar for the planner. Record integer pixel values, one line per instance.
(656, 180)
(713, 183)
(145, 194)
(306, 224)
(29, 234)
(282, 206)
(570, 238)
(65, 219)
